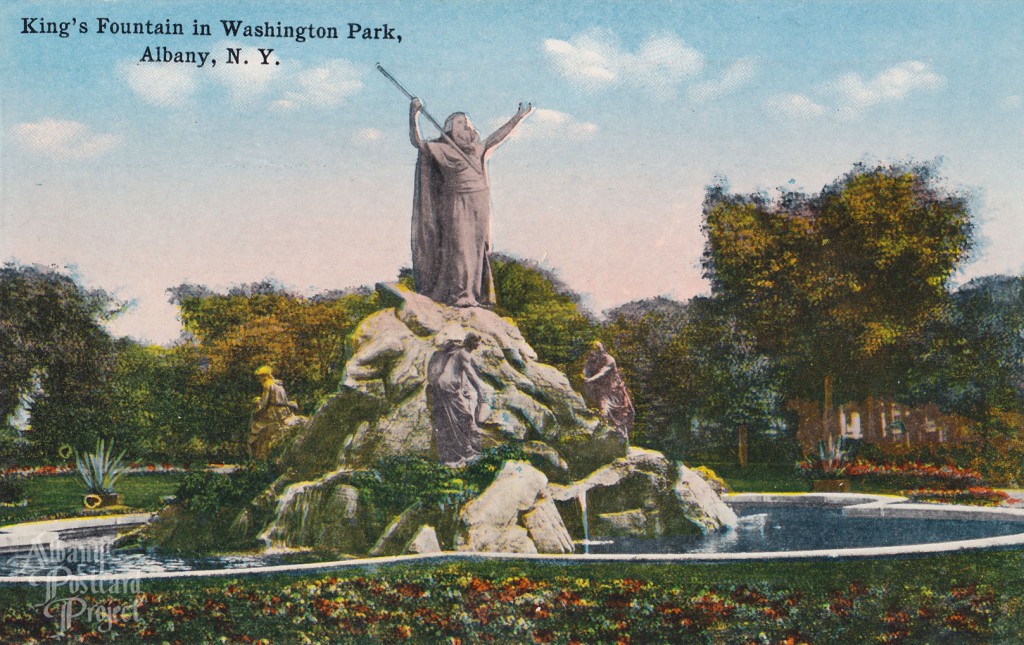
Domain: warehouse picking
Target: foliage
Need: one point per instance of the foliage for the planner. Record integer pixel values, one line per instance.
(894, 476)
(397, 483)
(51, 328)
(839, 285)
(550, 315)
(12, 489)
(100, 469)
(973, 496)
(209, 494)
(832, 456)
(303, 339)
(695, 375)
(974, 359)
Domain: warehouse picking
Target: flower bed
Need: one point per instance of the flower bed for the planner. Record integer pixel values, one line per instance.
(911, 475)
(465, 603)
(69, 469)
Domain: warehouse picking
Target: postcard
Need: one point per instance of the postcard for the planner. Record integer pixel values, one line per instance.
(605, 321)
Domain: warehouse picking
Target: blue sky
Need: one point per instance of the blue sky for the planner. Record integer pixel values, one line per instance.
(144, 175)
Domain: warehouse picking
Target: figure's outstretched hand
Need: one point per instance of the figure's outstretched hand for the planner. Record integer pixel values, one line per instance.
(525, 111)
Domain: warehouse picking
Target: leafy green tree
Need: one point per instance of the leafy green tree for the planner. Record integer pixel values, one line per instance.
(232, 334)
(839, 287)
(549, 314)
(51, 326)
(974, 363)
(695, 375)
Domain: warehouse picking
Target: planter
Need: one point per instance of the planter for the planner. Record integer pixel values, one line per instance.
(102, 500)
(831, 485)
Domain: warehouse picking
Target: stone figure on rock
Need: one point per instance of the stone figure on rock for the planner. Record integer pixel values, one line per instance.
(458, 401)
(605, 388)
(451, 221)
(274, 415)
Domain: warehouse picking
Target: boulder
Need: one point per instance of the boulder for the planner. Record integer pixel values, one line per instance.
(643, 483)
(701, 504)
(514, 514)
(424, 542)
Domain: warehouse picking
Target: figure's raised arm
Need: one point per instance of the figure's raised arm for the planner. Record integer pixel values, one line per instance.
(415, 106)
(501, 134)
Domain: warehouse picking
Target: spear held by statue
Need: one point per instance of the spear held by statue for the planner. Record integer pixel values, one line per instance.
(423, 111)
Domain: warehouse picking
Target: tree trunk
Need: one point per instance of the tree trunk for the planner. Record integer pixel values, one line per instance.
(743, 445)
(827, 413)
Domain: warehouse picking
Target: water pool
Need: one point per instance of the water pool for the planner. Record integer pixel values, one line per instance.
(774, 528)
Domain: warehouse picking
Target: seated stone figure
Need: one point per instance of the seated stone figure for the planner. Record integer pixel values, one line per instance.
(458, 401)
(605, 388)
(273, 415)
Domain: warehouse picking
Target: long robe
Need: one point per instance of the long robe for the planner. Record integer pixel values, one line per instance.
(608, 391)
(271, 421)
(451, 226)
(456, 402)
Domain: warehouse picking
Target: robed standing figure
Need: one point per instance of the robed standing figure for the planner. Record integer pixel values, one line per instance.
(451, 220)
(604, 386)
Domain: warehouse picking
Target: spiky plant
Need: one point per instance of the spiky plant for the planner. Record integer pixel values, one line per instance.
(101, 469)
(832, 455)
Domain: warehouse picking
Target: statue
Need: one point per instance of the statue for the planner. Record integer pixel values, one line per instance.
(605, 387)
(451, 221)
(458, 400)
(273, 415)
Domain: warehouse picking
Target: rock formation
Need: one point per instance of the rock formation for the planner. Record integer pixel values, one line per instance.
(532, 506)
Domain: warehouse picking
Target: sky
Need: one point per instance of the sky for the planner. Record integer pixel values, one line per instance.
(137, 176)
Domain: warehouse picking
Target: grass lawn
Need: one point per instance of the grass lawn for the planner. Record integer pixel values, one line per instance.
(761, 477)
(61, 495)
(973, 597)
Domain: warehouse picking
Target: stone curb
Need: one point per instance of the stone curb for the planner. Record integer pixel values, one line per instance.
(19, 537)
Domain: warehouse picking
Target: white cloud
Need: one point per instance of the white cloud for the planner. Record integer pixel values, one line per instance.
(1012, 102)
(545, 124)
(888, 86)
(246, 83)
(595, 60)
(735, 76)
(796, 106)
(174, 86)
(161, 84)
(63, 140)
(847, 96)
(326, 85)
(368, 135)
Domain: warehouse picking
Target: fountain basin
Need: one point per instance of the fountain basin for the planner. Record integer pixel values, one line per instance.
(819, 515)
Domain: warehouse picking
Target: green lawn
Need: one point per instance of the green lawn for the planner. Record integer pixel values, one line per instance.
(760, 477)
(62, 495)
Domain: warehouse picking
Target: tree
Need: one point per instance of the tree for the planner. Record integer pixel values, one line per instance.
(232, 334)
(839, 287)
(51, 329)
(550, 315)
(974, 358)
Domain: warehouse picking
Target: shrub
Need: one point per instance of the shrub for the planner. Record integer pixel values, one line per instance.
(12, 489)
(209, 493)
(397, 483)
